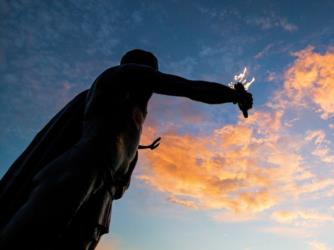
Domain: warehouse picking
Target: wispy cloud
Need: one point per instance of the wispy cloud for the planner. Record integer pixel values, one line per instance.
(288, 231)
(322, 145)
(317, 245)
(186, 203)
(264, 51)
(273, 21)
(185, 66)
(297, 217)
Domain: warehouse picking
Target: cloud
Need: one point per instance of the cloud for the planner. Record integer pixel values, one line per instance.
(264, 51)
(185, 66)
(288, 231)
(310, 80)
(240, 168)
(322, 145)
(185, 203)
(295, 216)
(273, 21)
(287, 26)
(316, 245)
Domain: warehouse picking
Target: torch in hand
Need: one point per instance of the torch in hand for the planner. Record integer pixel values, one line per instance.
(241, 84)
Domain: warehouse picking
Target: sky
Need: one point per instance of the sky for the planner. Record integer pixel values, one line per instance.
(217, 181)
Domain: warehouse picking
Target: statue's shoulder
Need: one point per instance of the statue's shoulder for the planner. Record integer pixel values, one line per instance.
(122, 76)
(106, 76)
(110, 71)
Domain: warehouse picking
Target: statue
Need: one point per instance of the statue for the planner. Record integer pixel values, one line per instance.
(58, 194)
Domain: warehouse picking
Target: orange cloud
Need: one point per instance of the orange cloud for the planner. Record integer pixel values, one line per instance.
(294, 216)
(316, 245)
(241, 168)
(311, 78)
(322, 149)
(185, 203)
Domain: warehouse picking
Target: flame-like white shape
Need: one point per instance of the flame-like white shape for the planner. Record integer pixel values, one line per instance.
(241, 78)
(248, 84)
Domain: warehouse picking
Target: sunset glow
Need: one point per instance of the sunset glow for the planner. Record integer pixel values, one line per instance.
(217, 180)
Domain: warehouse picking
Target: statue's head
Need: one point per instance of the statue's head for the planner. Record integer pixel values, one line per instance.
(140, 57)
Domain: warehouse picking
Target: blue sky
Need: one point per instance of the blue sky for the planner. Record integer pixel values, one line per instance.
(278, 194)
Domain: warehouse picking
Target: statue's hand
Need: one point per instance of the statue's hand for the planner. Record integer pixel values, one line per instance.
(152, 146)
(155, 143)
(244, 99)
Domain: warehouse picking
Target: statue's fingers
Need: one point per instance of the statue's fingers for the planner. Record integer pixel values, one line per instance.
(156, 140)
(155, 146)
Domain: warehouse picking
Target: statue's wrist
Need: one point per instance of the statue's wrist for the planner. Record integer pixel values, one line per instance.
(237, 97)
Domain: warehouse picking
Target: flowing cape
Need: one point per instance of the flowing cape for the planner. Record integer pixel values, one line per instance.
(60, 133)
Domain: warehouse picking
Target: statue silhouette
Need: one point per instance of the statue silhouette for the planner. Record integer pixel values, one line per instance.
(58, 194)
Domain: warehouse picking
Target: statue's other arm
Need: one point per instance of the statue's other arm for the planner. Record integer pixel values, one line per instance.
(151, 146)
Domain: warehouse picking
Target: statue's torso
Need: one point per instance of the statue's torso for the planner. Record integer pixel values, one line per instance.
(114, 115)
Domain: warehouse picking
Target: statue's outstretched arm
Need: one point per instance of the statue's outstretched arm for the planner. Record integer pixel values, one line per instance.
(202, 91)
(167, 84)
